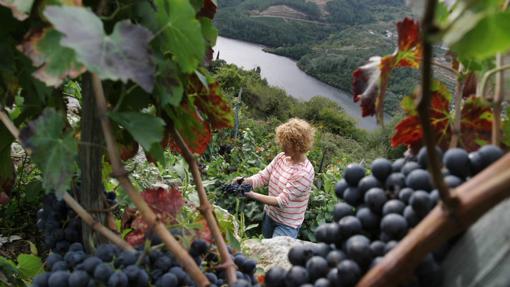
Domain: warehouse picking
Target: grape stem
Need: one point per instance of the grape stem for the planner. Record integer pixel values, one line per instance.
(70, 201)
(456, 125)
(423, 108)
(206, 208)
(122, 176)
(477, 196)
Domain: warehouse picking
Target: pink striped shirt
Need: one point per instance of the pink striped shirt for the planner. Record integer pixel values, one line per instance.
(291, 184)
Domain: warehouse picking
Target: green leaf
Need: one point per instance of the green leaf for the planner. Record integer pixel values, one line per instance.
(145, 129)
(488, 37)
(29, 265)
(180, 32)
(123, 55)
(169, 89)
(54, 63)
(209, 31)
(20, 8)
(53, 150)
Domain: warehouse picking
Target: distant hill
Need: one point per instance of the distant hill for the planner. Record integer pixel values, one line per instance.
(328, 38)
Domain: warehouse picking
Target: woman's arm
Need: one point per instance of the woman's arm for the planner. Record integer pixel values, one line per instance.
(262, 178)
(265, 199)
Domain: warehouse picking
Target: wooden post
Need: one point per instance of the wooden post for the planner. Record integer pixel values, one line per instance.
(237, 107)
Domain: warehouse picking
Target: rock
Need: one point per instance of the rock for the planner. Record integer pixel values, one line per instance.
(271, 252)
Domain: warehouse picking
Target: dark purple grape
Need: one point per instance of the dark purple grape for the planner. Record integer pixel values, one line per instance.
(167, 280)
(322, 282)
(105, 252)
(349, 226)
(456, 161)
(199, 247)
(59, 279)
(317, 267)
(397, 165)
(423, 156)
(52, 259)
(475, 163)
(429, 272)
(79, 279)
(321, 233)
(353, 173)
(419, 179)
(341, 210)
(298, 255)
(409, 167)
(60, 266)
(296, 276)
(275, 277)
(125, 258)
(395, 181)
(394, 225)
(411, 216)
(352, 196)
(102, 272)
(452, 181)
(340, 187)
(358, 249)
(375, 261)
(334, 257)
(393, 206)
(375, 198)
(367, 183)
(381, 169)
(320, 249)
(249, 266)
(490, 154)
(348, 273)
(421, 203)
(378, 248)
(369, 220)
(41, 280)
(118, 279)
(405, 194)
(389, 246)
(434, 197)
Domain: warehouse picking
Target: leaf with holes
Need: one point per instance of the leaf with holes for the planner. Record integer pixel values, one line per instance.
(369, 82)
(195, 132)
(54, 63)
(124, 55)
(20, 8)
(409, 131)
(54, 150)
(211, 101)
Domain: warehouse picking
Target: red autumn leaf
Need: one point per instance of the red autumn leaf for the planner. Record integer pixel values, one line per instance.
(211, 101)
(193, 129)
(469, 88)
(409, 131)
(135, 237)
(204, 232)
(476, 123)
(165, 202)
(369, 82)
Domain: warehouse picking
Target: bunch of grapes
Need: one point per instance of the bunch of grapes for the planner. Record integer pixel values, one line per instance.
(69, 264)
(236, 188)
(377, 210)
(59, 224)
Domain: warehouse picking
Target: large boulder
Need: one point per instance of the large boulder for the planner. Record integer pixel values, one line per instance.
(271, 252)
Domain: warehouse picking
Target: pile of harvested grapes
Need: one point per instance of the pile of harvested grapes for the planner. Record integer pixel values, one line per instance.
(376, 211)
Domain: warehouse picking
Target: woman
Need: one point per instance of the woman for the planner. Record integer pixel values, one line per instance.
(289, 178)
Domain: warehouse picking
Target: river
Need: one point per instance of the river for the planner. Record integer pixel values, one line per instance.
(284, 73)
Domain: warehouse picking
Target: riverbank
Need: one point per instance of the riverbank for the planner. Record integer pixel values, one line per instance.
(284, 73)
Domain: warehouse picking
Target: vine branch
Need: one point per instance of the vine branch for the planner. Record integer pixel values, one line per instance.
(148, 215)
(498, 99)
(478, 196)
(423, 109)
(70, 201)
(206, 208)
(486, 76)
(456, 125)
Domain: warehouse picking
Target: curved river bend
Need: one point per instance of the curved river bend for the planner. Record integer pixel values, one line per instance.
(284, 73)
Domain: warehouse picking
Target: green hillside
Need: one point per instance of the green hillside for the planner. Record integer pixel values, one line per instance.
(329, 39)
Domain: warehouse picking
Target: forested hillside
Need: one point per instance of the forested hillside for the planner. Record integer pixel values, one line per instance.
(329, 39)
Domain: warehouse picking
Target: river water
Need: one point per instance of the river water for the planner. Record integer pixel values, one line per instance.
(284, 73)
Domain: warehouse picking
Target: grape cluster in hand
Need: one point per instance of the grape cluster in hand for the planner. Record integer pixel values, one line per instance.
(237, 189)
(375, 212)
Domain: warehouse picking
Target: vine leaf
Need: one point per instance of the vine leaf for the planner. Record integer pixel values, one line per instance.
(166, 204)
(146, 129)
(211, 101)
(124, 55)
(20, 8)
(54, 62)
(181, 33)
(370, 81)
(476, 121)
(492, 31)
(53, 150)
(195, 132)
